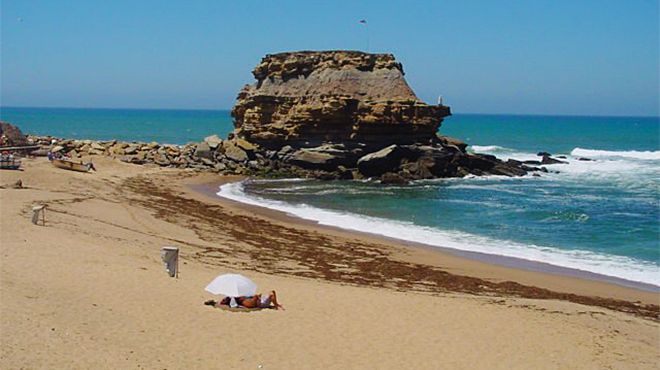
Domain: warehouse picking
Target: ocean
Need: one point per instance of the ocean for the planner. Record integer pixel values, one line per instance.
(600, 216)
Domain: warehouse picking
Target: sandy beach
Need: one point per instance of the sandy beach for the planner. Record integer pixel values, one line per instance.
(88, 289)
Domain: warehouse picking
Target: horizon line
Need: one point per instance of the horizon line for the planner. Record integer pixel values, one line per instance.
(229, 110)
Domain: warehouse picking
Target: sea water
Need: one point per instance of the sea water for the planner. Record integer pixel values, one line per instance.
(600, 216)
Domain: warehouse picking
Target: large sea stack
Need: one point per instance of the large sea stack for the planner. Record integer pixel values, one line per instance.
(346, 114)
(311, 98)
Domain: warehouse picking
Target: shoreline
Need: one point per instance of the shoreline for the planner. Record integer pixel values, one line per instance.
(500, 260)
(472, 264)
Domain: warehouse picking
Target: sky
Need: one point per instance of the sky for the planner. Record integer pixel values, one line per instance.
(523, 57)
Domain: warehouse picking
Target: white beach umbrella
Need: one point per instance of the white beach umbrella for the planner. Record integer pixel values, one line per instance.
(232, 285)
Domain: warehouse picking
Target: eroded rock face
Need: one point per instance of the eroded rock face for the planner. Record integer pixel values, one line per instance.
(348, 114)
(305, 99)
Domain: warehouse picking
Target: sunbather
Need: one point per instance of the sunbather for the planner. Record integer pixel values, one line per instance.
(255, 301)
(260, 301)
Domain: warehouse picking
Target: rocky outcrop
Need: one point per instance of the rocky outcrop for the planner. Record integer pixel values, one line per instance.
(393, 164)
(11, 135)
(348, 114)
(305, 99)
(327, 115)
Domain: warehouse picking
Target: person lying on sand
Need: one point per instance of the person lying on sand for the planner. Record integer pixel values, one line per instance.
(255, 301)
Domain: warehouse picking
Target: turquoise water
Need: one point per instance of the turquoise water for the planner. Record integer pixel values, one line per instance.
(601, 216)
(162, 126)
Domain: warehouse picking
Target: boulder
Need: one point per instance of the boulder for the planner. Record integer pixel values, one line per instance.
(546, 159)
(96, 146)
(327, 157)
(392, 178)
(287, 149)
(385, 160)
(245, 145)
(162, 160)
(451, 141)
(314, 160)
(233, 152)
(203, 150)
(213, 141)
(131, 149)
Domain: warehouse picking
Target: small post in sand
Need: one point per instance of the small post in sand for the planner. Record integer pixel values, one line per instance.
(35, 214)
(170, 257)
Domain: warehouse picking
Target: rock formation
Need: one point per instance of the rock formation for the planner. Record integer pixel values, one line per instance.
(348, 114)
(11, 135)
(327, 115)
(311, 98)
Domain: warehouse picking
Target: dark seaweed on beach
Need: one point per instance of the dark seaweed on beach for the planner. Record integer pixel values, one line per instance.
(283, 250)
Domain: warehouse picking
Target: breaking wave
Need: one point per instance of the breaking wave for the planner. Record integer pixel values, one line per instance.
(603, 264)
(631, 154)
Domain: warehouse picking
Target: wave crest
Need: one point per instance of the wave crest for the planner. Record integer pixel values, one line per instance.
(631, 154)
(608, 265)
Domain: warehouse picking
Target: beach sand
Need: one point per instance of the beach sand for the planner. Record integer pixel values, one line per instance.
(88, 289)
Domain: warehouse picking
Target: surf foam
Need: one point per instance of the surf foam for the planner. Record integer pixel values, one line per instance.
(608, 265)
(632, 154)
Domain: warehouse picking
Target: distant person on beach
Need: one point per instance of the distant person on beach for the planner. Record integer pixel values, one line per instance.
(260, 301)
(255, 301)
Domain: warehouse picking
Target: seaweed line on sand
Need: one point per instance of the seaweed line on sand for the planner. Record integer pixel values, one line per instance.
(283, 250)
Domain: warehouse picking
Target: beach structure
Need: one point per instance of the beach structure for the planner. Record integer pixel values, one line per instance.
(36, 211)
(170, 257)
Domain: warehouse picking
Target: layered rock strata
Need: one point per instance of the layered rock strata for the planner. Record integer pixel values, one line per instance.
(306, 99)
(348, 114)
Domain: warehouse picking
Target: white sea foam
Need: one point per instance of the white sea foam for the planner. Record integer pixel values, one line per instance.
(502, 152)
(633, 154)
(609, 265)
(631, 170)
(488, 148)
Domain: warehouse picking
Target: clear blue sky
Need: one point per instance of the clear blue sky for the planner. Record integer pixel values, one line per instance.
(548, 57)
